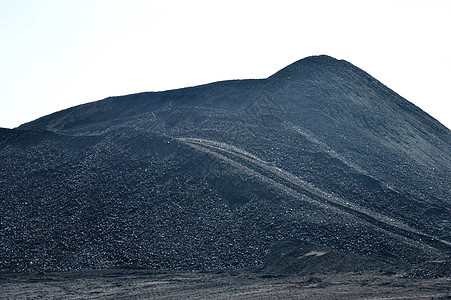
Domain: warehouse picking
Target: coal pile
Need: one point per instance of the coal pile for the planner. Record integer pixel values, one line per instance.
(317, 167)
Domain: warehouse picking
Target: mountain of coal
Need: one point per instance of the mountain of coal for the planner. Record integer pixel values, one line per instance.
(317, 168)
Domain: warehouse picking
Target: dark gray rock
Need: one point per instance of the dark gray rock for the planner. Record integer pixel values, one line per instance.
(226, 175)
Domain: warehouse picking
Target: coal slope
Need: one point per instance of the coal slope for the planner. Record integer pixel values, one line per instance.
(318, 168)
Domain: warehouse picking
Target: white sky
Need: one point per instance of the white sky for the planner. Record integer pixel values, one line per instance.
(55, 54)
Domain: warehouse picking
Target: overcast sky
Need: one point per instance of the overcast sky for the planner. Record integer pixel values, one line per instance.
(55, 54)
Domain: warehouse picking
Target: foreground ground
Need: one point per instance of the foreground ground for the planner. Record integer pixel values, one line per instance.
(140, 284)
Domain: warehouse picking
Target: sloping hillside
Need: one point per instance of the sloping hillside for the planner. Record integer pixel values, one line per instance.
(318, 166)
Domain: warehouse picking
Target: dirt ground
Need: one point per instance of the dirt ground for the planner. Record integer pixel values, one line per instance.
(141, 284)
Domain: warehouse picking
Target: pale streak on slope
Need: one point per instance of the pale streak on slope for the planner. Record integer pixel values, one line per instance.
(324, 147)
(215, 148)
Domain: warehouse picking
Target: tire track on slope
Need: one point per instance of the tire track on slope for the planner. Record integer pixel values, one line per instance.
(332, 153)
(298, 187)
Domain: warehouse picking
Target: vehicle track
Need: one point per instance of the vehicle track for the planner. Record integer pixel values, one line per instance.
(297, 187)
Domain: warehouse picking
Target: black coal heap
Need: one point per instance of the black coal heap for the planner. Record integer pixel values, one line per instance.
(318, 167)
